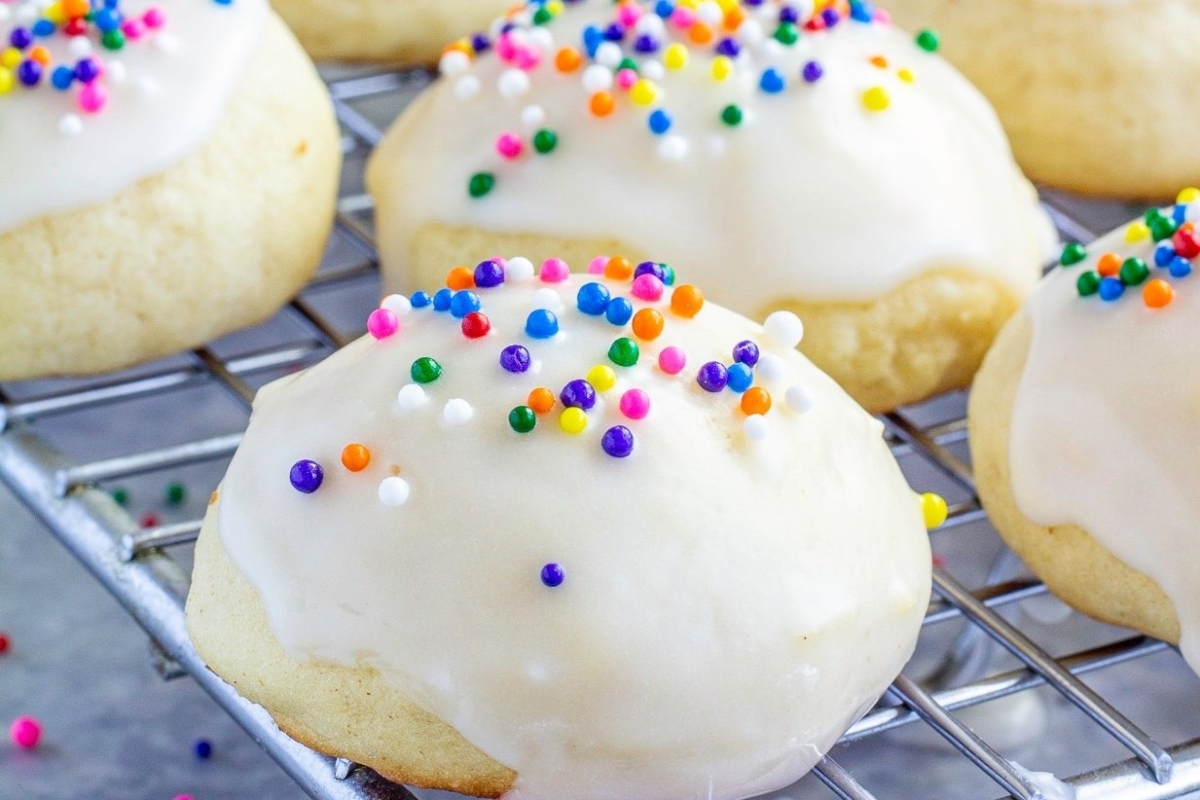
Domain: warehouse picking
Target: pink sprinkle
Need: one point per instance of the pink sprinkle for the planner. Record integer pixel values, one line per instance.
(628, 14)
(25, 732)
(133, 29)
(883, 17)
(183, 797)
(647, 287)
(93, 97)
(154, 18)
(596, 265)
(635, 403)
(554, 270)
(672, 360)
(509, 145)
(626, 78)
(683, 17)
(527, 58)
(382, 323)
(506, 48)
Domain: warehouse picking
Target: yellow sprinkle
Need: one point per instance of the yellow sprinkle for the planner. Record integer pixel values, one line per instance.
(572, 420)
(876, 98)
(727, 5)
(933, 508)
(555, 7)
(602, 377)
(644, 92)
(1188, 195)
(54, 13)
(1137, 232)
(722, 68)
(906, 75)
(687, 4)
(10, 57)
(6, 80)
(676, 56)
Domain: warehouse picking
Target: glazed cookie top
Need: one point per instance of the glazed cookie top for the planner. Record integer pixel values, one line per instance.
(836, 154)
(588, 521)
(1106, 425)
(95, 96)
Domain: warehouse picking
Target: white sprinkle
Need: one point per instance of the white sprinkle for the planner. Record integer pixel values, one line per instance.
(653, 70)
(512, 83)
(411, 397)
(394, 491)
(166, 42)
(799, 398)
(673, 147)
(4, 13)
(771, 367)
(79, 46)
(454, 62)
(608, 54)
(649, 24)
(716, 145)
(548, 299)
(466, 87)
(115, 71)
(27, 13)
(597, 78)
(784, 328)
(755, 427)
(542, 37)
(398, 304)
(772, 49)
(147, 86)
(709, 12)
(533, 116)
(750, 32)
(70, 125)
(457, 411)
(518, 269)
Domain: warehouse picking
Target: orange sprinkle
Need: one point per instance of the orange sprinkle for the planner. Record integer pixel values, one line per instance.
(76, 8)
(687, 300)
(647, 324)
(756, 400)
(212, 498)
(567, 59)
(461, 278)
(541, 400)
(1157, 293)
(355, 457)
(879, 61)
(734, 18)
(1188, 226)
(40, 55)
(700, 33)
(1108, 265)
(462, 46)
(601, 104)
(619, 269)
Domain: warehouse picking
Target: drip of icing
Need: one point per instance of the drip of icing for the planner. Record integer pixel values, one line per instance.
(1106, 422)
(821, 196)
(165, 93)
(690, 619)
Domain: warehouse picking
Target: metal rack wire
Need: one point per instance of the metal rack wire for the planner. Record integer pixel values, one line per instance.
(139, 567)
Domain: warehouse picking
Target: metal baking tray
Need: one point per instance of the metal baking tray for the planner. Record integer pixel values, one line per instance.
(1006, 685)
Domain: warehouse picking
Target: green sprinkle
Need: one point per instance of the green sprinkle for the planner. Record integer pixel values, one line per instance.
(627, 63)
(668, 275)
(542, 16)
(624, 352)
(175, 494)
(481, 183)
(425, 370)
(1088, 283)
(522, 419)
(732, 116)
(1072, 254)
(113, 40)
(544, 141)
(787, 33)
(120, 496)
(1161, 227)
(1134, 271)
(928, 41)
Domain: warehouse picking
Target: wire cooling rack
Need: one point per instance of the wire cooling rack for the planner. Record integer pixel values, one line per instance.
(145, 564)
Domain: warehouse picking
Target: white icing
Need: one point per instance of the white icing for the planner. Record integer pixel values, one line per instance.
(173, 87)
(812, 196)
(729, 606)
(1106, 424)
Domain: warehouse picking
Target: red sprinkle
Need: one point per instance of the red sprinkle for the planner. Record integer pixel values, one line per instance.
(5, 643)
(476, 325)
(149, 520)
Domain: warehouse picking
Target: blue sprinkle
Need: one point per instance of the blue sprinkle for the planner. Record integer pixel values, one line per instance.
(668, 274)
(541, 324)
(107, 20)
(203, 749)
(1111, 289)
(43, 28)
(861, 12)
(592, 298)
(420, 299)
(593, 37)
(664, 8)
(1180, 267)
(772, 81)
(1163, 255)
(441, 300)
(659, 121)
(619, 311)
(740, 377)
(62, 78)
(1179, 214)
(464, 302)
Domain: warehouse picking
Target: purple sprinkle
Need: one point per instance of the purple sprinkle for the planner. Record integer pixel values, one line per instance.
(306, 476)
(553, 575)
(29, 72)
(614, 32)
(650, 268)
(617, 441)
(578, 394)
(480, 42)
(87, 70)
(812, 72)
(746, 353)
(489, 274)
(830, 17)
(713, 376)
(515, 358)
(728, 47)
(789, 14)
(646, 44)
(20, 38)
